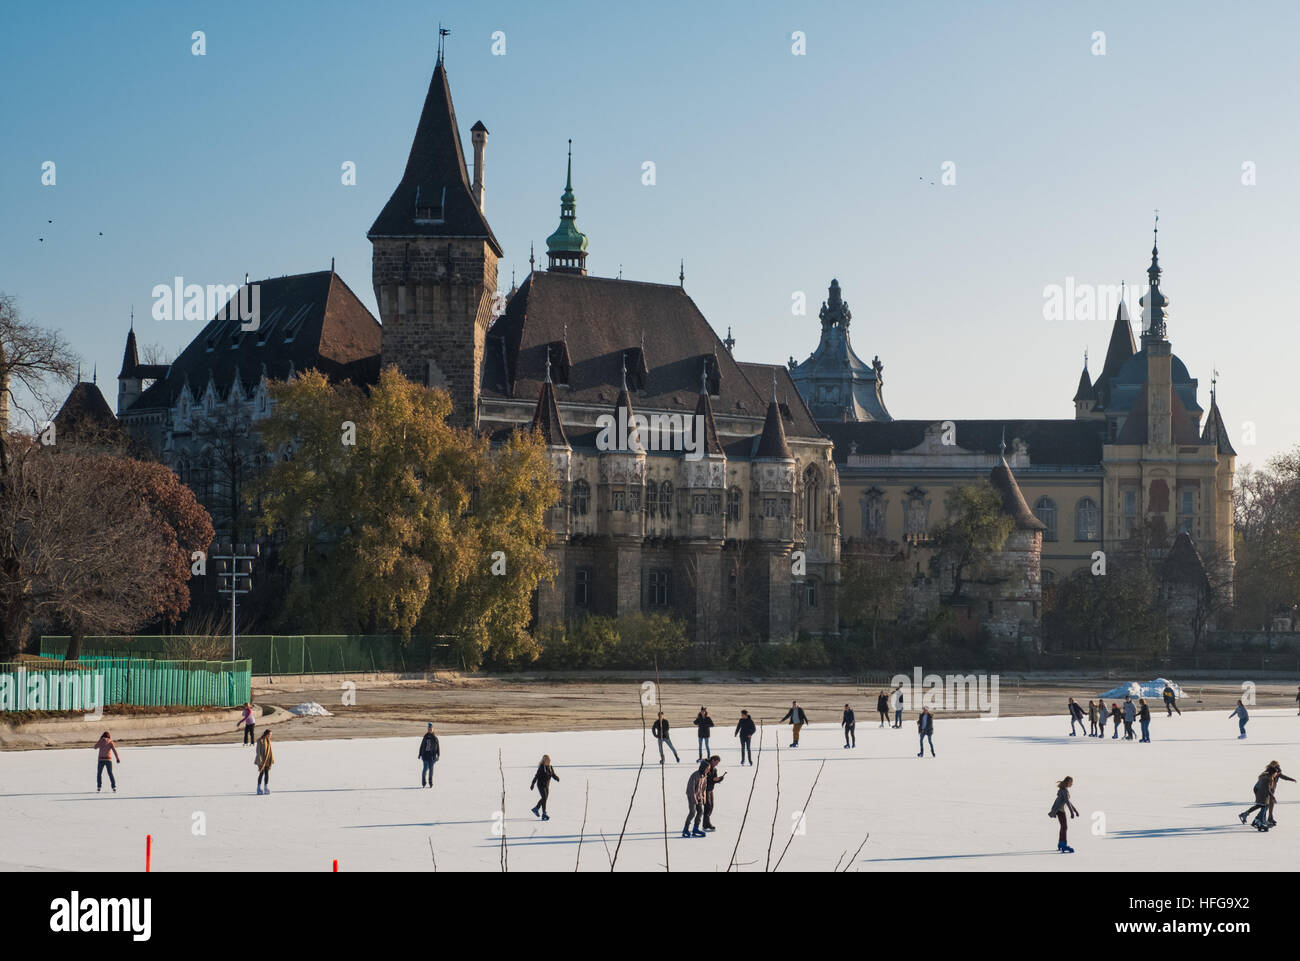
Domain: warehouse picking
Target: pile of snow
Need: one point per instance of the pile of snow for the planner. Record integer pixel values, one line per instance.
(310, 709)
(1135, 689)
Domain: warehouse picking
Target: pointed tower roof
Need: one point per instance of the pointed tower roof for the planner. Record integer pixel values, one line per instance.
(130, 358)
(1216, 432)
(433, 198)
(1122, 345)
(1085, 391)
(567, 247)
(772, 444)
(1154, 304)
(1183, 563)
(546, 418)
(704, 413)
(1013, 501)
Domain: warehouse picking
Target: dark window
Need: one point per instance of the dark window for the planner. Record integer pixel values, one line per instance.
(1087, 526)
(651, 498)
(715, 503)
(581, 500)
(660, 588)
(1045, 511)
(582, 587)
(734, 501)
(699, 503)
(620, 500)
(666, 499)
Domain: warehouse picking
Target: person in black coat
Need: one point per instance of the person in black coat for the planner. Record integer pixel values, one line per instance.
(428, 754)
(703, 725)
(745, 729)
(797, 719)
(713, 777)
(882, 708)
(1144, 718)
(925, 728)
(849, 727)
(1076, 716)
(542, 781)
(660, 730)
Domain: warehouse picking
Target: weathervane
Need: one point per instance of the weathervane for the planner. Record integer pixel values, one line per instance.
(443, 33)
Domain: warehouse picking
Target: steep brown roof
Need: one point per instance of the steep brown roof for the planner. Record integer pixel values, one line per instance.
(435, 173)
(1085, 391)
(546, 418)
(84, 413)
(600, 320)
(773, 444)
(1183, 562)
(1013, 501)
(1215, 432)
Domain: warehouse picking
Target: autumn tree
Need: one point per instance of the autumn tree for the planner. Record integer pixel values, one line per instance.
(390, 519)
(100, 544)
(975, 529)
(873, 583)
(1267, 541)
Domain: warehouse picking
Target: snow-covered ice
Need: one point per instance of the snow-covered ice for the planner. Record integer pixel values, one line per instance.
(1148, 689)
(982, 804)
(309, 709)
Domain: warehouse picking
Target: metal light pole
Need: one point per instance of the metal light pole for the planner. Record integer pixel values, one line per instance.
(235, 570)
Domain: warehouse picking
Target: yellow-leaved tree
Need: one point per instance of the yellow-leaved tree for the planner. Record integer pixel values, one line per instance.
(393, 520)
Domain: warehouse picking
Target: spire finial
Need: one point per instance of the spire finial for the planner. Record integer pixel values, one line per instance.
(1002, 448)
(1085, 358)
(625, 370)
(532, 261)
(78, 372)
(681, 274)
(568, 179)
(548, 365)
(1214, 384)
(331, 265)
(133, 316)
(774, 385)
(704, 376)
(443, 33)
(94, 374)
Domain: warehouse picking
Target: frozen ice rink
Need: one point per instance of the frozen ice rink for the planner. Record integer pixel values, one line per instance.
(982, 804)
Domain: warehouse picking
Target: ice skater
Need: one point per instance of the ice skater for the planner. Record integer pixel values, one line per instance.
(925, 728)
(1144, 718)
(797, 719)
(882, 707)
(850, 727)
(107, 751)
(428, 755)
(542, 781)
(1130, 715)
(696, 786)
(1092, 719)
(1263, 801)
(264, 758)
(1297, 700)
(1242, 716)
(703, 724)
(1076, 715)
(745, 729)
(898, 706)
(660, 730)
(711, 777)
(1058, 810)
(249, 723)
(1116, 715)
(1171, 702)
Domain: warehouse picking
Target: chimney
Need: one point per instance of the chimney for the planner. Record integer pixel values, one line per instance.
(478, 134)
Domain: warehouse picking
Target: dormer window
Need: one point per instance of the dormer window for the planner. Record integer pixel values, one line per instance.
(295, 322)
(429, 206)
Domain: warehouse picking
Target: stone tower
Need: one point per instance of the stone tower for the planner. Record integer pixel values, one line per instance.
(434, 263)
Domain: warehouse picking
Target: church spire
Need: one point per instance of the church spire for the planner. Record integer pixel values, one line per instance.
(1154, 314)
(567, 247)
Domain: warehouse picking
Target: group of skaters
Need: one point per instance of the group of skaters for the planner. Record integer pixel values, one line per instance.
(1127, 714)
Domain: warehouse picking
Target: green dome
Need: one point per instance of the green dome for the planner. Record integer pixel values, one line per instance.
(567, 237)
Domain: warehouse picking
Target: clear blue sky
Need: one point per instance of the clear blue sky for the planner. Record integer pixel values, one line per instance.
(775, 172)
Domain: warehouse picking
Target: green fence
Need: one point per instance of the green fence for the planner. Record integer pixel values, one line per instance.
(276, 654)
(99, 681)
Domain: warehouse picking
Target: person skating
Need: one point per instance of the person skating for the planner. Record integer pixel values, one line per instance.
(107, 751)
(898, 706)
(1061, 805)
(1297, 700)
(745, 729)
(1144, 718)
(882, 707)
(1242, 716)
(428, 755)
(696, 786)
(1130, 715)
(711, 777)
(660, 730)
(1092, 719)
(1276, 769)
(1263, 801)
(797, 719)
(264, 758)
(1171, 702)
(925, 728)
(850, 727)
(249, 723)
(1076, 715)
(703, 724)
(542, 781)
(1116, 716)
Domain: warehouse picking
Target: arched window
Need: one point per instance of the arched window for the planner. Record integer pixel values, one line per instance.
(651, 498)
(1087, 522)
(811, 497)
(666, 500)
(581, 500)
(873, 513)
(1045, 511)
(916, 513)
(734, 501)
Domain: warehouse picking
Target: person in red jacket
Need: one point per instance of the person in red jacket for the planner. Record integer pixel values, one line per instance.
(107, 752)
(249, 722)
